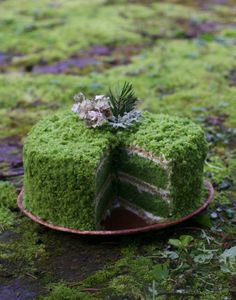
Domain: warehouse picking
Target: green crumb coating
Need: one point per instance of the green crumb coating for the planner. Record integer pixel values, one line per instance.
(150, 203)
(67, 165)
(143, 169)
(61, 156)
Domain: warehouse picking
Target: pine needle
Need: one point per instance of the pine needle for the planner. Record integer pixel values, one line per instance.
(123, 100)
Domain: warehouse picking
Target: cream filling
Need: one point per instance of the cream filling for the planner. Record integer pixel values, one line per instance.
(102, 163)
(143, 186)
(99, 197)
(159, 160)
(103, 191)
(147, 216)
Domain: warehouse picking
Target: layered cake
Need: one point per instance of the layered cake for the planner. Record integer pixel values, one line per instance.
(75, 173)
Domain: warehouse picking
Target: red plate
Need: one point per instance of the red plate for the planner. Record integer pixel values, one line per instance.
(121, 221)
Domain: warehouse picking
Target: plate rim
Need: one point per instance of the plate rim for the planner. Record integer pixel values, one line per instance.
(146, 228)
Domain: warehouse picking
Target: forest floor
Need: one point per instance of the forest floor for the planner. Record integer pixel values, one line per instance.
(181, 59)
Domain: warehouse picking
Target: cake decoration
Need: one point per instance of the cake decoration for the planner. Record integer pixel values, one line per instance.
(117, 109)
(154, 168)
(95, 112)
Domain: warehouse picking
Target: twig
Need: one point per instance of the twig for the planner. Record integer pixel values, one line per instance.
(73, 284)
(11, 175)
(31, 275)
(89, 290)
(179, 294)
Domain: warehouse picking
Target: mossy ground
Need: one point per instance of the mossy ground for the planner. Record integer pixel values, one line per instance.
(180, 56)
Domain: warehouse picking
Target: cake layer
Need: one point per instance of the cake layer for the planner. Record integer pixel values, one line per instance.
(143, 166)
(103, 200)
(103, 171)
(142, 198)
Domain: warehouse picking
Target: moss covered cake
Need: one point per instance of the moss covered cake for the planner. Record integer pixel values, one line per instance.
(74, 173)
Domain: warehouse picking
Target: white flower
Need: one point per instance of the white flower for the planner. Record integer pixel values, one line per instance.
(75, 108)
(95, 112)
(100, 97)
(96, 118)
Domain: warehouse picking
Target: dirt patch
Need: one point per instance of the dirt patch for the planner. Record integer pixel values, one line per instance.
(192, 29)
(73, 258)
(66, 66)
(97, 58)
(122, 55)
(231, 77)
(202, 4)
(20, 290)
(216, 121)
(11, 165)
(205, 5)
(4, 59)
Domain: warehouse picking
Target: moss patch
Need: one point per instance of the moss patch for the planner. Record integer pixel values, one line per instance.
(8, 195)
(8, 198)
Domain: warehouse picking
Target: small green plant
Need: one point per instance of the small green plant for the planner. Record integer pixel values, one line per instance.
(160, 272)
(122, 100)
(228, 261)
(182, 243)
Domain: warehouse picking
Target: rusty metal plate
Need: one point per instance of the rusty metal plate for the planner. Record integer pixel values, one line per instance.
(122, 221)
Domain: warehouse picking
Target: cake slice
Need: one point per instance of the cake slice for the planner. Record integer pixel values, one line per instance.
(161, 167)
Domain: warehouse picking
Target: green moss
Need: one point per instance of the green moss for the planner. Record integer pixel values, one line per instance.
(216, 168)
(24, 250)
(8, 195)
(51, 31)
(62, 292)
(8, 198)
(6, 219)
(112, 280)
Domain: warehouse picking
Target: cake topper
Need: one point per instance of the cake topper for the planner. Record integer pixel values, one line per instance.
(116, 109)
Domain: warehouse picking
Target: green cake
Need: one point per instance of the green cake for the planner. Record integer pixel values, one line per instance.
(75, 173)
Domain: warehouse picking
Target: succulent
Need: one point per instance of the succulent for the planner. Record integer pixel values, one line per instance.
(127, 120)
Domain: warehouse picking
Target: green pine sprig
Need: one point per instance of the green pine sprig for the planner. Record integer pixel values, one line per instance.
(123, 100)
